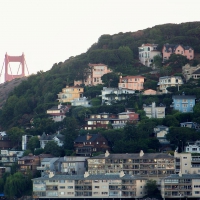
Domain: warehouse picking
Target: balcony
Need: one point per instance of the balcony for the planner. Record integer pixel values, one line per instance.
(42, 168)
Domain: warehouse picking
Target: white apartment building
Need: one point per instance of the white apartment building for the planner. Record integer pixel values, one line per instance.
(147, 53)
(181, 186)
(153, 111)
(186, 163)
(169, 81)
(104, 186)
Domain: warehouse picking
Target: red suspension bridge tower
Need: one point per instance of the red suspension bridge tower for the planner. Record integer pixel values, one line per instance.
(8, 71)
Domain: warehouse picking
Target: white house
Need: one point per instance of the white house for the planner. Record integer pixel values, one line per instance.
(83, 101)
(45, 138)
(112, 94)
(193, 148)
(147, 52)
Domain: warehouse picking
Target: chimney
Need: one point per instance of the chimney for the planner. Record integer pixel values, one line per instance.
(88, 136)
(51, 174)
(141, 153)
(121, 174)
(86, 174)
(107, 154)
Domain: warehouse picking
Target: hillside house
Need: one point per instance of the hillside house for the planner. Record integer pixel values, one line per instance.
(124, 118)
(100, 120)
(68, 94)
(160, 132)
(193, 125)
(169, 49)
(115, 94)
(94, 74)
(83, 101)
(57, 137)
(57, 113)
(86, 145)
(150, 92)
(147, 53)
(191, 72)
(131, 82)
(153, 111)
(183, 103)
(30, 163)
(169, 81)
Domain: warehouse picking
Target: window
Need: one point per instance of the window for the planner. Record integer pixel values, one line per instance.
(104, 193)
(184, 157)
(196, 192)
(70, 187)
(62, 193)
(96, 186)
(62, 187)
(70, 193)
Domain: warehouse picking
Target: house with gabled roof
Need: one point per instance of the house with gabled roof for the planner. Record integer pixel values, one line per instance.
(86, 145)
(57, 137)
(169, 49)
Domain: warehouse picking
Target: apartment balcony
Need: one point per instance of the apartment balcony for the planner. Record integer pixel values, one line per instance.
(35, 189)
(42, 168)
(53, 188)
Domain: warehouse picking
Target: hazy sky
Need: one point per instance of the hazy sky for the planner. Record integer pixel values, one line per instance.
(50, 31)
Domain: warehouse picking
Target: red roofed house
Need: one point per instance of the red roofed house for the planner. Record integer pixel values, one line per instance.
(131, 82)
(94, 74)
(147, 53)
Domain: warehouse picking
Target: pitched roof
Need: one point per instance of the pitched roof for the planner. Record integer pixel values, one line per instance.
(196, 72)
(83, 138)
(183, 97)
(125, 77)
(174, 46)
(133, 156)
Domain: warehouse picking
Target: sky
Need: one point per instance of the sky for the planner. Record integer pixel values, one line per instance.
(51, 31)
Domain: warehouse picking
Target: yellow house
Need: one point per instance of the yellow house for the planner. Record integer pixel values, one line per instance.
(68, 94)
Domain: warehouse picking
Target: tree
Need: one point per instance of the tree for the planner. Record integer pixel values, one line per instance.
(70, 132)
(157, 61)
(52, 148)
(33, 143)
(151, 187)
(15, 135)
(16, 185)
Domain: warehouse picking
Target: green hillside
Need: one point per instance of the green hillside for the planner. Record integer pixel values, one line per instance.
(119, 52)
